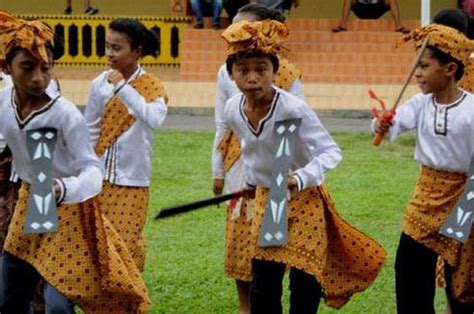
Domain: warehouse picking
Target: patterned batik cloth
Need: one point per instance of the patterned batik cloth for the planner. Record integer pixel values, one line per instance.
(436, 193)
(467, 80)
(126, 208)
(320, 243)
(116, 119)
(86, 260)
(239, 244)
(287, 74)
(238, 248)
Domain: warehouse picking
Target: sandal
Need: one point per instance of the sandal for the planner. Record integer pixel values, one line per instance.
(338, 29)
(403, 30)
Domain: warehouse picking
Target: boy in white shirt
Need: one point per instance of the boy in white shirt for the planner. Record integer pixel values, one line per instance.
(443, 118)
(320, 243)
(84, 261)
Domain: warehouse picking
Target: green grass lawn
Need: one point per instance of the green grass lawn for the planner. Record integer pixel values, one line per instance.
(184, 270)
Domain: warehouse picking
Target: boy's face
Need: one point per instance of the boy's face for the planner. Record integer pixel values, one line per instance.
(119, 51)
(433, 76)
(253, 76)
(30, 75)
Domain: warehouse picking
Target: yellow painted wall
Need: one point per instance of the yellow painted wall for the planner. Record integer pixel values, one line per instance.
(410, 9)
(106, 7)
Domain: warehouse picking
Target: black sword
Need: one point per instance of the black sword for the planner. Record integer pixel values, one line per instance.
(175, 210)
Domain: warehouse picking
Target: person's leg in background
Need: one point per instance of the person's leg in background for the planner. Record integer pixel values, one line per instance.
(216, 13)
(197, 8)
(346, 10)
(68, 9)
(305, 294)
(266, 286)
(88, 9)
(395, 11)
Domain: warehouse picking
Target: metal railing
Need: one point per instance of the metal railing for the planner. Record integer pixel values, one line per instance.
(83, 38)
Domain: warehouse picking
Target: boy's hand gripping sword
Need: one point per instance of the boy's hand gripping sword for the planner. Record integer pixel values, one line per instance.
(387, 115)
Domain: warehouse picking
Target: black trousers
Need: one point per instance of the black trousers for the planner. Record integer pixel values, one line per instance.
(19, 282)
(415, 270)
(266, 289)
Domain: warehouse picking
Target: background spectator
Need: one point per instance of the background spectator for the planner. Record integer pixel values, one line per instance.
(370, 9)
(198, 6)
(88, 9)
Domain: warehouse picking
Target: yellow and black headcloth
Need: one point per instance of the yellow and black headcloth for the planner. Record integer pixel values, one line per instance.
(444, 38)
(33, 36)
(265, 36)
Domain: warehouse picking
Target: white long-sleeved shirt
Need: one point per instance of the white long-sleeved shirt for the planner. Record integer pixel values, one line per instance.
(444, 132)
(75, 166)
(315, 150)
(225, 89)
(52, 90)
(128, 160)
(7, 81)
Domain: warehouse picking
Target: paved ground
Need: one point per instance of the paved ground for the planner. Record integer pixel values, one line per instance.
(188, 122)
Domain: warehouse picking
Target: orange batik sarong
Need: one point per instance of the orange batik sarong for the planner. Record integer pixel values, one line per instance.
(436, 193)
(86, 260)
(320, 243)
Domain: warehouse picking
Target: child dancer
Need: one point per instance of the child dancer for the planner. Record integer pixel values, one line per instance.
(442, 116)
(326, 256)
(126, 105)
(10, 185)
(237, 262)
(85, 261)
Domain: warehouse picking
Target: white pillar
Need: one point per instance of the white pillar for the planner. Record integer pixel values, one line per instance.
(425, 12)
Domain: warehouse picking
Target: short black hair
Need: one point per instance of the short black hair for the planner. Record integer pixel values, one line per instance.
(138, 35)
(261, 12)
(445, 58)
(455, 18)
(243, 55)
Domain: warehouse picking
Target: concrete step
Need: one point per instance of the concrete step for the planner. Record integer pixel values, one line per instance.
(367, 54)
(352, 25)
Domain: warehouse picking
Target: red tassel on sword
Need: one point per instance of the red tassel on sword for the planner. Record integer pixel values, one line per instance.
(383, 115)
(387, 115)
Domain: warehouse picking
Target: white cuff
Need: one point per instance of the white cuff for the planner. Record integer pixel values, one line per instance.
(62, 190)
(299, 182)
